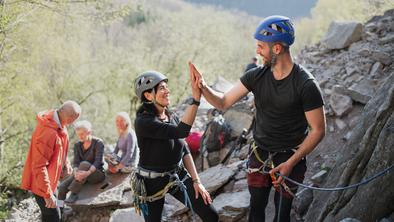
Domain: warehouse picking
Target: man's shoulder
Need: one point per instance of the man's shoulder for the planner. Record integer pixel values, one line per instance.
(303, 74)
(255, 72)
(45, 133)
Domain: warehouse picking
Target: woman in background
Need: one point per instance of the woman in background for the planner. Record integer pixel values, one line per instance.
(126, 144)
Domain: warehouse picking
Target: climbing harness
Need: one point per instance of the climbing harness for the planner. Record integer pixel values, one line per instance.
(140, 195)
(268, 163)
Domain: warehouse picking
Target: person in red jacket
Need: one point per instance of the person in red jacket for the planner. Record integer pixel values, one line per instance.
(47, 155)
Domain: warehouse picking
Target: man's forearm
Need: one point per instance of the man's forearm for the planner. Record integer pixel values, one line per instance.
(213, 97)
(307, 146)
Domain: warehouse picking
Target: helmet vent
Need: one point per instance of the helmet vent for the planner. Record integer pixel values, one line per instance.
(276, 27)
(140, 82)
(265, 32)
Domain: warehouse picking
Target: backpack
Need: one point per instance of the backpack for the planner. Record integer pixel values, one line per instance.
(217, 133)
(194, 140)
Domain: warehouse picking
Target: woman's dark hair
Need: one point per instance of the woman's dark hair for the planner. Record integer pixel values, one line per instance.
(143, 98)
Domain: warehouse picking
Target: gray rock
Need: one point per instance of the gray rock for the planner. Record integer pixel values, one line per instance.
(376, 70)
(360, 92)
(382, 57)
(232, 206)
(228, 188)
(238, 120)
(364, 52)
(364, 90)
(371, 27)
(173, 207)
(239, 165)
(127, 198)
(340, 124)
(26, 210)
(327, 91)
(354, 78)
(387, 39)
(215, 177)
(213, 158)
(347, 136)
(350, 70)
(302, 201)
(244, 152)
(114, 194)
(366, 153)
(349, 220)
(341, 34)
(340, 104)
(128, 214)
(385, 220)
(241, 175)
(319, 177)
(240, 185)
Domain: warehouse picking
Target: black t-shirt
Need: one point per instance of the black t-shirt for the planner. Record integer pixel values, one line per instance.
(161, 143)
(281, 105)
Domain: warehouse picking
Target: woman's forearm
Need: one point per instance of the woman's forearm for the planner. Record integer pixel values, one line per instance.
(190, 167)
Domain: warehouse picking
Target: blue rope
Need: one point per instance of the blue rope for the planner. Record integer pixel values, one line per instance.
(144, 208)
(335, 188)
(183, 189)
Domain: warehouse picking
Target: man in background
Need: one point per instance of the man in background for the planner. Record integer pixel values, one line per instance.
(47, 156)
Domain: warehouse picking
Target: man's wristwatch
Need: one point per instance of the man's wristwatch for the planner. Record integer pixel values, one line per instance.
(192, 101)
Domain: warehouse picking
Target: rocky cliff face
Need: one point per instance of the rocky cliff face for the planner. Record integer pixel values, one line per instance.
(362, 73)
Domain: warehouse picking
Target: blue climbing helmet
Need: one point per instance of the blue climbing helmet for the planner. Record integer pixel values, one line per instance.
(275, 28)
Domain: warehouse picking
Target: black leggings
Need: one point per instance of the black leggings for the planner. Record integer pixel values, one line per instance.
(206, 212)
(258, 203)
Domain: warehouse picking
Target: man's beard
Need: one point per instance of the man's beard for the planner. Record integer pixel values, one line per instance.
(270, 63)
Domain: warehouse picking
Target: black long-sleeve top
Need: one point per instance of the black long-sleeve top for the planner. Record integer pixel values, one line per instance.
(161, 143)
(94, 154)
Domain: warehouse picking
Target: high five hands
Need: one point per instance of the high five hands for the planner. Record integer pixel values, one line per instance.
(196, 77)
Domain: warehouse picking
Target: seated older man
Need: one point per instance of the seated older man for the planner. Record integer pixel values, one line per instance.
(88, 162)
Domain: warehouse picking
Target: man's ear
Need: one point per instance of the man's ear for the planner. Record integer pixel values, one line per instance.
(277, 49)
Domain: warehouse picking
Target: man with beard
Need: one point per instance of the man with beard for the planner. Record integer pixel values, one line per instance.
(290, 119)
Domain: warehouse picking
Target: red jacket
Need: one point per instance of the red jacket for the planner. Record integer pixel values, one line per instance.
(47, 154)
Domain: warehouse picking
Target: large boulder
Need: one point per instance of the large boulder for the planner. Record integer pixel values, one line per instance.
(215, 177)
(368, 151)
(341, 34)
(115, 191)
(232, 206)
(341, 104)
(239, 117)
